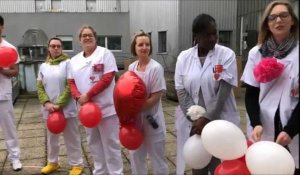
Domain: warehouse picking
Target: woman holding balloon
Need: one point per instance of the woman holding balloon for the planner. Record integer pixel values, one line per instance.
(92, 73)
(151, 119)
(205, 75)
(271, 76)
(54, 95)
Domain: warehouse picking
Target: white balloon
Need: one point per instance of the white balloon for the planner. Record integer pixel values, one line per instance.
(266, 157)
(224, 140)
(194, 153)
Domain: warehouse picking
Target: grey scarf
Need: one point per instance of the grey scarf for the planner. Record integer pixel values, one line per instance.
(270, 49)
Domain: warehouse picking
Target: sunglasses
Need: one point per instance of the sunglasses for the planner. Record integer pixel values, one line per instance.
(53, 46)
(283, 16)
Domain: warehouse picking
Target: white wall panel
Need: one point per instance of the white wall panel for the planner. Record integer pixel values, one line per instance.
(13, 6)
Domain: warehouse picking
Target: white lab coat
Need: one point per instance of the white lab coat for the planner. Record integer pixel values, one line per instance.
(103, 140)
(7, 114)
(154, 139)
(82, 70)
(276, 93)
(191, 75)
(54, 78)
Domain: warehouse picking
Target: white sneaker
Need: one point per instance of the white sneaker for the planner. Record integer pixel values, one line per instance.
(16, 165)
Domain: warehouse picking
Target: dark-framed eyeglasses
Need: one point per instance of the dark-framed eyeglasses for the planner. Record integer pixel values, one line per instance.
(53, 46)
(87, 36)
(283, 16)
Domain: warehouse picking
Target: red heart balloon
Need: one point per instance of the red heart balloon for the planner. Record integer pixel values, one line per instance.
(56, 122)
(129, 96)
(8, 56)
(90, 114)
(232, 167)
(130, 136)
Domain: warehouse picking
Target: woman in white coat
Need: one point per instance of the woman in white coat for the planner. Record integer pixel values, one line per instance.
(92, 78)
(54, 94)
(205, 75)
(151, 120)
(273, 106)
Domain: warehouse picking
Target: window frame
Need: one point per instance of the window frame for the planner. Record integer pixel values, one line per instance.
(162, 42)
(229, 42)
(106, 42)
(58, 3)
(90, 5)
(40, 5)
(66, 38)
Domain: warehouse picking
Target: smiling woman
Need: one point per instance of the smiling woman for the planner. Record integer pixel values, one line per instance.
(273, 106)
(151, 118)
(91, 78)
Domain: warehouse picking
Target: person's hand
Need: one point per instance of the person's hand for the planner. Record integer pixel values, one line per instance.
(257, 132)
(50, 107)
(283, 138)
(83, 99)
(56, 107)
(199, 124)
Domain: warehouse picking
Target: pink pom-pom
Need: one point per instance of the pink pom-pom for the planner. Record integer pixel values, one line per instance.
(267, 70)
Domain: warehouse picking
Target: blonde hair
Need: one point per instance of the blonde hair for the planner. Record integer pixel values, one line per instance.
(264, 33)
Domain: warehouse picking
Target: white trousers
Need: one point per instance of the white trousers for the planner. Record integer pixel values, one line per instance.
(72, 140)
(154, 145)
(7, 124)
(183, 128)
(105, 146)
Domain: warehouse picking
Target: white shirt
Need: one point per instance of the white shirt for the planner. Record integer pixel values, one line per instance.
(191, 75)
(154, 80)
(54, 78)
(5, 82)
(276, 93)
(87, 71)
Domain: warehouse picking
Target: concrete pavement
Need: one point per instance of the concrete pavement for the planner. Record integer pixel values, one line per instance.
(31, 134)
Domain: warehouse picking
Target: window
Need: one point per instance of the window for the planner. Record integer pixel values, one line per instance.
(40, 5)
(56, 4)
(90, 5)
(224, 38)
(110, 42)
(162, 42)
(67, 42)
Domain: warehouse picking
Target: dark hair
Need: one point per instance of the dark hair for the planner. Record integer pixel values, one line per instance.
(54, 38)
(1, 21)
(264, 33)
(133, 43)
(201, 22)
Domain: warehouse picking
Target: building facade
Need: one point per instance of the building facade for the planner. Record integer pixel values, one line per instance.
(169, 22)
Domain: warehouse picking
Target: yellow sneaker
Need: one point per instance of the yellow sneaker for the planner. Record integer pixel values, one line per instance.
(76, 170)
(50, 168)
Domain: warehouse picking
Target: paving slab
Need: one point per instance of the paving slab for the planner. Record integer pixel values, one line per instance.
(32, 139)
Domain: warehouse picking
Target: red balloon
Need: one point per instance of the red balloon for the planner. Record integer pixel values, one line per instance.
(8, 56)
(249, 143)
(56, 122)
(130, 136)
(90, 114)
(232, 167)
(129, 96)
